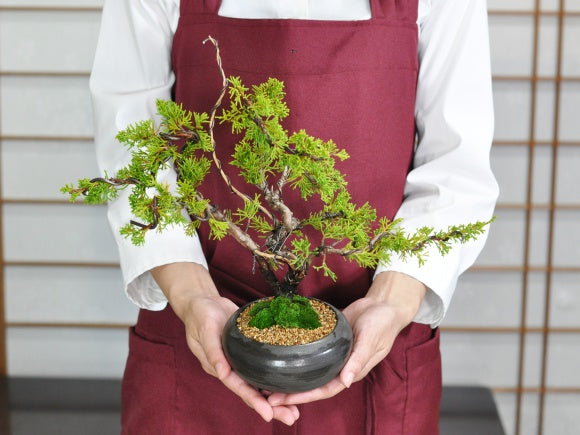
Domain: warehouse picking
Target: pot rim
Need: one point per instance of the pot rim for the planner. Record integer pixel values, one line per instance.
(327, 337)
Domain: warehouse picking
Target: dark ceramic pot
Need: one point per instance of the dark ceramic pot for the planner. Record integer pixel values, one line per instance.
(288, 369)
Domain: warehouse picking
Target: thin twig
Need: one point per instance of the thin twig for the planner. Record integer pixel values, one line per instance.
(212, 117)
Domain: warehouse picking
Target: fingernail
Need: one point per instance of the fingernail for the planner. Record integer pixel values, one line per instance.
(274, 401)
(219, 370)
(348, 378)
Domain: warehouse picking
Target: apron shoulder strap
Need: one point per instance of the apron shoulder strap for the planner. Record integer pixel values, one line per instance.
(188, 7)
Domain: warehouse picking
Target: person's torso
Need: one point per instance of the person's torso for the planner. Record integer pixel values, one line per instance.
(349, 81)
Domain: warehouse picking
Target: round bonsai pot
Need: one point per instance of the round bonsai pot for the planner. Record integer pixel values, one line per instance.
(288, 369)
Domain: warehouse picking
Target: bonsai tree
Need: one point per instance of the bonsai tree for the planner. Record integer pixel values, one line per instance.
(271, 160)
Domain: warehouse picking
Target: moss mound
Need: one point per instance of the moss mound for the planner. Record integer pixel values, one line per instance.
(285, 311)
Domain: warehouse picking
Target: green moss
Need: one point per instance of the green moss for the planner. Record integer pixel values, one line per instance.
(287, 312)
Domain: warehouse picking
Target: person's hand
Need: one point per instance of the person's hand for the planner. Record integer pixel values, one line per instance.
(376, 319)
(195, 300)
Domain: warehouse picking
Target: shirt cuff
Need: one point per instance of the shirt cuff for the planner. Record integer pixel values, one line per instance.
(171, 246)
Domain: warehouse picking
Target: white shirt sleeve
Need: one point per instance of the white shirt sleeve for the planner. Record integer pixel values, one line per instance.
(131, 70)
(451, 181)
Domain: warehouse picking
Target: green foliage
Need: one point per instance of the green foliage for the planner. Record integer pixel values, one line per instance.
(271, 160)
(287, 312)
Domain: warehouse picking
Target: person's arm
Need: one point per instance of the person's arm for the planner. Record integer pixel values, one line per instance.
(131, 70)
(451, 181)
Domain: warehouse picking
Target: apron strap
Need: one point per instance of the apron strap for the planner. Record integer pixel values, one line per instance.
(199, 7)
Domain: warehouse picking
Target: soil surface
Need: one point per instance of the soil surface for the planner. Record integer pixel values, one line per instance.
(277, 335)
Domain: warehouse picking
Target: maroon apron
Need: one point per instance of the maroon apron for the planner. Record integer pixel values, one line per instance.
(353, 82)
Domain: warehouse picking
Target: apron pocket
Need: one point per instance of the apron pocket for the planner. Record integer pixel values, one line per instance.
(149, 387)
(385, 395)
(423, 387)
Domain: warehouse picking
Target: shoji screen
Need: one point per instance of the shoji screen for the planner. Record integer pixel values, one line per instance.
(514, 324)
(515, 321)
(65, 314)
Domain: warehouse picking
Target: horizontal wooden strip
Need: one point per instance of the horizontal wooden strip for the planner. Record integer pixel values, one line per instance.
(66, 325)
(527, 143)
(516, 206)
(51, 8)
(30, 138)
(524, 78)
(39, 201)
(510, 330)
(17, 263)
(64, 201)
(502, 78)
(444, 329)
(499, 12)
(518, 268)
(496, 142)
(480, 268)
(532, 12)
(500, 206)
(537, 390)
(65, 74)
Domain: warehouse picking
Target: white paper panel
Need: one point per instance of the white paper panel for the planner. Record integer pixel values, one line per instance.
(484, 299)
(57, 233)
(512, 44)
(548, 43)
(479, 358)
(567, 238)
(561, 414)
(541, 182)
(545, 105)
(512, 108)
(510, 167)
(60, 294)
(511, 5)
(571, 53)
(45, 106)
(52, 3)
(569, 125)
(567, 191)
(506, 403)
(60, 352)
(506, 240)
(563, 360)
(63, 41)
(565, 301)
(49, 165)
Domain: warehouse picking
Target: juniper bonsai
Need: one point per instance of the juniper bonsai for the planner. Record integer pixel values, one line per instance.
(272, 160)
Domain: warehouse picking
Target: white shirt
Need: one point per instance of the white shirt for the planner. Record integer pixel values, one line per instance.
(451, 181)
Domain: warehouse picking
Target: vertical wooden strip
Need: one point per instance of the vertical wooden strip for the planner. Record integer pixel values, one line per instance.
(551, 220)
(3, 359)
(528, 219)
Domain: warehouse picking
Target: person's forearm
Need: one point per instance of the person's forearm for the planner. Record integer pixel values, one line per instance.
(180, 282)
(400, 291)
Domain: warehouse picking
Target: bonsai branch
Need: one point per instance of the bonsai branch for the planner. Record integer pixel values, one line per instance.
(212, 117)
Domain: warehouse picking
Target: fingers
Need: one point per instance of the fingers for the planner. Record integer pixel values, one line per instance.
(255, 400)
(249, 395)
(329, 390)
(286, 414)
(360, 363)
(208, 350)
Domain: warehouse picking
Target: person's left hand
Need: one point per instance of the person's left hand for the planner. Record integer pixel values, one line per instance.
(376, 319)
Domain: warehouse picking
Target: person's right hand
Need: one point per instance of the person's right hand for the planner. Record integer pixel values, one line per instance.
(196, 301)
